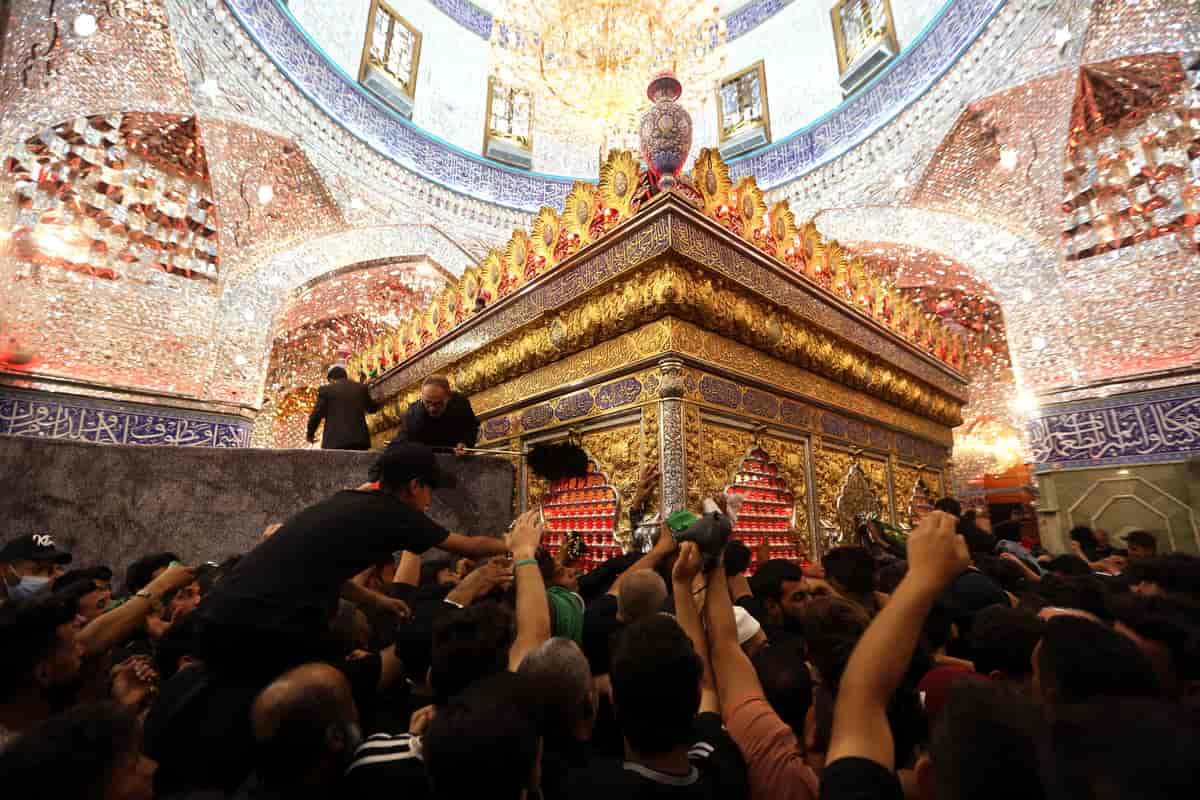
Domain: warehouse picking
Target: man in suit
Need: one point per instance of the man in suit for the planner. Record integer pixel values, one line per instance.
(344, 405)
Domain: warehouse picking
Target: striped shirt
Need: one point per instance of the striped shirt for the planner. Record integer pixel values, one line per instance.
(388, 766)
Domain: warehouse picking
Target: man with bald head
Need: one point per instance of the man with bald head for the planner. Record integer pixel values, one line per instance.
(441, 418)
(305, 731)
(642, 593)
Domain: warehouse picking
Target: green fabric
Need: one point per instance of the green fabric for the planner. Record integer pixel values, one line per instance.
(568, 613)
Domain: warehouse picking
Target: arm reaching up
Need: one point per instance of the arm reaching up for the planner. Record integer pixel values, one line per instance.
(665, 545)
(113, 627)
(533, 609)
(936, 556)
(687, 567)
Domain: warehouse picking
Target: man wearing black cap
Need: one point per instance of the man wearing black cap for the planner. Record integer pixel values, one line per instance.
(343, 404)
(29, 563)
(274, 608)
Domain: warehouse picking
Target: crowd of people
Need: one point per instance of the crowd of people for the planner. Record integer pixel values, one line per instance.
(333, 661)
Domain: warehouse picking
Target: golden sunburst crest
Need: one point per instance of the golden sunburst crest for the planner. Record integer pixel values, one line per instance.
(619, 177)
(545, 235)
(515, 255)
(711, 177)
(468, 287)
(492, 272)
(750, 206)
(578, 211)
(783, 228)
(451, 299)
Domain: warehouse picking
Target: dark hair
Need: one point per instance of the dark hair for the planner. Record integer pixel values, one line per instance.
(1068, 565)
(1124, 748)
(737, 557)
(87, 576)
(1173, 572)
(141, 572)
(948, 505)
(336, 374)
(72, 755)
(1083, 660)
(431, 568)
(436, 380)
(29, 634)
(1010, 576)
(486, 734)
(300, 731)
(656, 684)
(1172, 620)
(1086, 539)
(888, 578)
(987, 743)
(767, 582)
(786, 683)
(832, 627)
(1084, 592)
(1141, 539)
(1003, 639)
(852, 568)
(469, 644)
(939, 624)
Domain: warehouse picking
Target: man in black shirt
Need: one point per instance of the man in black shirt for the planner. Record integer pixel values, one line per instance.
(441, 418)
(670, 750)
(344, 405)
(275, 606)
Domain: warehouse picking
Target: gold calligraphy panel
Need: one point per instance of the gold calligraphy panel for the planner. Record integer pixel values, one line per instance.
(877, 474)
(904, 480)
(721, 449)
(791, 457)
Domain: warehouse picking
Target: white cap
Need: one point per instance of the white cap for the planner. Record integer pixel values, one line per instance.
(747, 626)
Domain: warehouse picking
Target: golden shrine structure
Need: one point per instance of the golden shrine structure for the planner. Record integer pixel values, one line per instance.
(694, 328)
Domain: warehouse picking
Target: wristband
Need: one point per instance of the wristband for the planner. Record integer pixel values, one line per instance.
(523, 562)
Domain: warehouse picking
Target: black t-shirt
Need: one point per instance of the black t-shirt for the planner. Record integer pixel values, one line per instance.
(856, 778)
(291, 582)
(600, 626)
(718, 772)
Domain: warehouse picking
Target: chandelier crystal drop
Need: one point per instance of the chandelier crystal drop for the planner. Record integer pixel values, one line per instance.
(586, 63)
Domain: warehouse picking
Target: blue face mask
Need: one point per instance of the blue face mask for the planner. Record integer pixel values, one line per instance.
(27, 587)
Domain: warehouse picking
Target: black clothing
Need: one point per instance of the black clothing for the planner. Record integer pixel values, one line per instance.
(278, 600)
(457, 424)
(389, 766)
(854, 778)
(344, 406)
(718, 772)
(600, 625)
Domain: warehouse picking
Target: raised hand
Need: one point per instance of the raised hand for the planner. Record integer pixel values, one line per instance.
(687, 565)
(936, 553)
(526, 536)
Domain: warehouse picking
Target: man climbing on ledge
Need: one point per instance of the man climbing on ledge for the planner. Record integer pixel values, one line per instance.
(441, 418)
(343, 404)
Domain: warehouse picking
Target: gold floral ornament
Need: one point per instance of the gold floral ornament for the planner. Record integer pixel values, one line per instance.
(545, 237)
(516, 256)
(434, 318)
(413, 336)
(453, 304)
(619, 178)
(783, 232)
(578, 212)
(491, 274)
(751, 209)
(711, 177)
(468, 288)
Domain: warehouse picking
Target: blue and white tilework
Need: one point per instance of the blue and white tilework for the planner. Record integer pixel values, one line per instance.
(54, 416)
(1142, 428)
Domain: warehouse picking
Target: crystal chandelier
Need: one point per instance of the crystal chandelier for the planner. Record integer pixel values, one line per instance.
(586, 63)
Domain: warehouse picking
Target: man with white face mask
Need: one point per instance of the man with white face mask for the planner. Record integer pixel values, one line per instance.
(29, 563)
